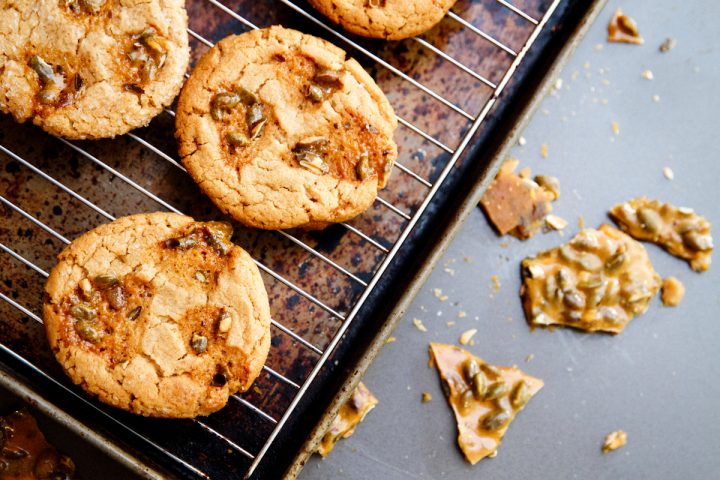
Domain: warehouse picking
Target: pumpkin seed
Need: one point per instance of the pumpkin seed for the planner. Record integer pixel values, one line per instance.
(490, 370)
(589, 280)
(86, 329)
(116, 297)
(83, 312)
(520, 395)
(470, 369)
(568, 253)
(315, 93)
(495, 420)
(183, 243)
(105, 280)
(696, 241)
(237, 139)
(246, 97)
(650, 220)
(496, 390)
(479, 385)
(615, 261)
(628, 25)
(574, 299)
(257, 129)
(134, 313)
(362, 168)
(466, 399)
(199, 343)
(328, 77)
(565, 279)
(313, 162)
(200, 276)
(224, 323)
(222, 102)
(86, 287)
(549, 183)
(590, 262)
(255, 114)
(42, 68)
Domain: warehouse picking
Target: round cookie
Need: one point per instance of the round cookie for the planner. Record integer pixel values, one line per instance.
(159, 315)
(387, 19)
(281, 130)
(86, 69)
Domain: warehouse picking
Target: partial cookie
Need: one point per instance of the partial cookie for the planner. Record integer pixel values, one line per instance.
(85, 69)
(598, 281)
(388, 19)
(159, 315)
(485, 398)
(679, 230)
(348, 418)
(281, 130)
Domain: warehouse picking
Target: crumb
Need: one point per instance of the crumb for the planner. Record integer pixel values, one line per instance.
(586, 65)
(615, 127)
(574, 75)
(496, 282)
(390, 340)
(599, 46)
(556, 223)
(667, 45)
(544, 150)
(623, 29)
(669, 174)
(257, 390)
(530, 358)
(504, 244)
(614, 440)
(419, 325)
(522, 141)
(426, 397)
(467, 259)
(451, 323)
(439, 295)
(656, 98)
(449, 271)
(467, 335)
(462, 314)
(581, 222)
(647, 75)
(673, 292)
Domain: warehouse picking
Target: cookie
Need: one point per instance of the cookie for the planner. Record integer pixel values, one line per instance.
(281, 130)
(159, 315)
(387, 19)
(87, 69)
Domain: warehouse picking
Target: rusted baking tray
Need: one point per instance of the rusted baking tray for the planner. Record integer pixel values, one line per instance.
(458, 92)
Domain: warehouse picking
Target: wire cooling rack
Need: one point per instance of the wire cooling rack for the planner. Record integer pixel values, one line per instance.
(55, 190)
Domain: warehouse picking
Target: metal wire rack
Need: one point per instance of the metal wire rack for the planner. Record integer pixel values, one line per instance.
(465, 124)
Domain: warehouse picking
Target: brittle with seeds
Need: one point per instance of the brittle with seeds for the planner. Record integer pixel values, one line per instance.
(516, 204)
(678, 230)
(623, 29)
(484, 398)
(598, 281)
(350, 415)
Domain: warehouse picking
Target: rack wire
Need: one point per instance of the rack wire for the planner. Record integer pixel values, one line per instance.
(470, 122)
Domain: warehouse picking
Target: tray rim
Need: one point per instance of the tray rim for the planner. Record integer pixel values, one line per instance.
(446, 237)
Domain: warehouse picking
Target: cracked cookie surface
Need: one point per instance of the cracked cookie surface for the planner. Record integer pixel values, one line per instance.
(388, 19)
(281, 130)
(87, 69)
(159, 315)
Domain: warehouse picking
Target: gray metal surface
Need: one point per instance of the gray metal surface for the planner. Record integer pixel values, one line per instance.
(659, 379)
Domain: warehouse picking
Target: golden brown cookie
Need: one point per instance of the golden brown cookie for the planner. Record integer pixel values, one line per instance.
(85, 69)
(159, 315)
(281, 130)
(388, 19)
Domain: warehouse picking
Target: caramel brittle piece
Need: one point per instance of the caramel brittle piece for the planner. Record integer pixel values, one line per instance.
(673, 291)
(678, 230)
(623, 29)
(517, 205)
(599, 280)
(614, 440)
(350, 415)
(485, 398)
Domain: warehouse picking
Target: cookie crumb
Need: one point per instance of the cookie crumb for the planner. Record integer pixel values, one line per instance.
(451, 323)
(419, 325)
(623, 29)
(426, 397)
(439, 295)
(615, 127)
(667, 45)
(496, 282)
(669, 174)
(656, 98)
(390, 340)
(673, 292)
(647, 75)
(522, 141)
(467, 336)
(462, 314)
(530, 358)
(614, 440)
(581, 222)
